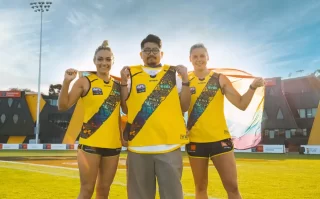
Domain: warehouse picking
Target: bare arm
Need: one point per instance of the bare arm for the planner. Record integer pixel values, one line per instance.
(124, 93)
(185, 97)
(67, 100)
(185, 94)
(241, 102)
(123, 142)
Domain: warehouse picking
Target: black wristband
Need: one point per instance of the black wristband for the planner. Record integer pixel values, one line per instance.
(252, 88)
(185, 83)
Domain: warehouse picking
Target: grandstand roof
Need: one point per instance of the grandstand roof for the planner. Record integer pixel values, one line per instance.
(302, 92)
(303, 84)
(276, 104)
(289, 95)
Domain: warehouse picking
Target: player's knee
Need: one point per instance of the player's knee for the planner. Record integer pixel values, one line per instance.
(103, 190)
(87, 190)
(232, 187)
(202, 187)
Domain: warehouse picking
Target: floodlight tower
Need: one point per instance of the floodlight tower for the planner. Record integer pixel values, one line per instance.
(39, 7)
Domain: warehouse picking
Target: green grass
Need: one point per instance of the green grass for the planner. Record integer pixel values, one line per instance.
(263, 176)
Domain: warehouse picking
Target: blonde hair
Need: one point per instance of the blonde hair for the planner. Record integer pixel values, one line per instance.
(104, 46)
(105, 43)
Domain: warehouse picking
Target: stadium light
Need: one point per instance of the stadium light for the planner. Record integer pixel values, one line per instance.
(40, 7)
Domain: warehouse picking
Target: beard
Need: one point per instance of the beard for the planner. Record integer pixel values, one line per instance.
(152, 61)
(152, 64)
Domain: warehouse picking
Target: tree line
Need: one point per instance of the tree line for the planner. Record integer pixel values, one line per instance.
(54, 89)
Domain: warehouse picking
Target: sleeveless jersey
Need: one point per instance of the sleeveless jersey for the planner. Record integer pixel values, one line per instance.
(154, 111)
(206, 120)
(101, 124)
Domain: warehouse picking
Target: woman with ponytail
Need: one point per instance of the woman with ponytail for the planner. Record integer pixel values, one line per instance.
(100, 140)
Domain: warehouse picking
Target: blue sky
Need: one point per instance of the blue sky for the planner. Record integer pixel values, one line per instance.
(263, 37)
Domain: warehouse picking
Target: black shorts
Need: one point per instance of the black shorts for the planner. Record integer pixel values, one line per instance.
(104, 152)
(209, 149)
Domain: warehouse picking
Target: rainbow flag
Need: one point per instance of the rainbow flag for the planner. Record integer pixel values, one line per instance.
(244, 126)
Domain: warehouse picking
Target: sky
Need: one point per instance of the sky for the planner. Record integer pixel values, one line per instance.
(267, 38)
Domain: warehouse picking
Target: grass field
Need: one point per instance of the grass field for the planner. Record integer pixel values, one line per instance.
(263, 176)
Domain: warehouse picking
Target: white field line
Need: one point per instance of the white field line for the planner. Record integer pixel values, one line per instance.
(62, 175)
(43, 165)
(67, 168)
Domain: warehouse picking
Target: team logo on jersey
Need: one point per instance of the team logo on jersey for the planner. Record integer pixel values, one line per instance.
(212, 87)
(141, 88)
(193, 90)
(97, 91)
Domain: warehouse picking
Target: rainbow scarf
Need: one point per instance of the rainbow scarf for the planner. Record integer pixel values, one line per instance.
(244, 126)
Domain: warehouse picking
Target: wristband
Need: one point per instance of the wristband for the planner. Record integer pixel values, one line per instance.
(252, 88)
(185, 83)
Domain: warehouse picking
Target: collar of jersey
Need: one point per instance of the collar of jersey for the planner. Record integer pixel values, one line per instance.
(104, 81)
(155, 68)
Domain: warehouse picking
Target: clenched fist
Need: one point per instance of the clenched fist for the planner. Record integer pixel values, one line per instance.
(70, 74)
(183, 72)
(125, 73)
(257, 82)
